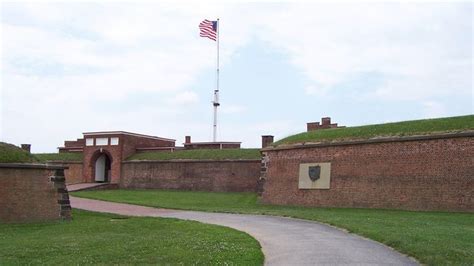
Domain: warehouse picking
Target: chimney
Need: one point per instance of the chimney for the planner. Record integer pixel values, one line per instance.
(187, 139)
(26, 147)
(325, 121)
(267, 140)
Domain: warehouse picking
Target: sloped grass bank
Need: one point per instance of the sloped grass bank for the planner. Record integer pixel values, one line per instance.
(94, 238)
(434, 238)
(204, 154)
(10, 153)
(405, 128)
(63, 156)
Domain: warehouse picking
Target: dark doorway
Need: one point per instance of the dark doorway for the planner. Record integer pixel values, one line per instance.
(102, 168)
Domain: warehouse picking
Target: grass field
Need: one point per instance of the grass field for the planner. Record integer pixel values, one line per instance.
(434, 238)
(94, 238)
(64, 156)
(406, 128)
(199, 154)
(12, 154)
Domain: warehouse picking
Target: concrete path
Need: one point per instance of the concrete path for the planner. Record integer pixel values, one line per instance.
(84, 186)
(284, 241)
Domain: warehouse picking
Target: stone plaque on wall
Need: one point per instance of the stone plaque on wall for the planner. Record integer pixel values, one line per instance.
(314, 176)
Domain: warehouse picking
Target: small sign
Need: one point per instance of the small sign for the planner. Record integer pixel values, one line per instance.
(314, 172)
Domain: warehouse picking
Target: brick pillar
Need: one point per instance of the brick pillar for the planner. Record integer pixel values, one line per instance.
(63, 195)
(263, 174)
(187, 139)
(326, 121)
(267, 140)
(312, 126)
(26, 147)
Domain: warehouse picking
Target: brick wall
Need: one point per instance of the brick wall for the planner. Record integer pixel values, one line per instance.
(73, 173)
(204, 175)
(74, 143)
(29, 194)
(413, 173)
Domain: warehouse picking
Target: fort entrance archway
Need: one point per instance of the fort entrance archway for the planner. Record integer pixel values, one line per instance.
(100, 164)
(105, 151)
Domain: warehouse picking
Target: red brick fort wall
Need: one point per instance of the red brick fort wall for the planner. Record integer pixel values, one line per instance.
(423, 173)
(204, 175)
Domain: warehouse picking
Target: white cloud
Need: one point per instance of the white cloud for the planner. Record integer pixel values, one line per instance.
(410, 44)
(65, 61)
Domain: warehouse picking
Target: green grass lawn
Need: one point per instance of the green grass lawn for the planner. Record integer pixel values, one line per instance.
(10, 153)
(63, 156)
(94, 238)
(434, 238)
(203, 154)
(405, 128)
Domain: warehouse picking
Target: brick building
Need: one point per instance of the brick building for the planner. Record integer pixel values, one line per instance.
(105, 151)
(325, 123)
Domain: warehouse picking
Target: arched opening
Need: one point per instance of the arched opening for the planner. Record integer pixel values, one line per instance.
(102, 168)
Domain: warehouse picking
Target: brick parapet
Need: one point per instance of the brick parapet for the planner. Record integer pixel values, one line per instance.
(305, 145)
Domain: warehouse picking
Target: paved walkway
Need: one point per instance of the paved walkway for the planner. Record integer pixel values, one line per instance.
(84, 186)
(284, 241)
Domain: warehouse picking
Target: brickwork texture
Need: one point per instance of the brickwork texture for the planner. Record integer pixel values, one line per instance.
(73, 171)
(231, 175)
(420, 174)
(32, 194)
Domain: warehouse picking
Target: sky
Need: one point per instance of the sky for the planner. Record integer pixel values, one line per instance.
(73, 67)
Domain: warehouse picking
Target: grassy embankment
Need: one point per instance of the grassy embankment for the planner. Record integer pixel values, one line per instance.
(405, 128)
(64, 156)
(204, 154)
(434, 238)
(94, 238)
(12, 154)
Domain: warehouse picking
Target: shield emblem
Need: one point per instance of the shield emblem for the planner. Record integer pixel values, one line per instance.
(314, 172)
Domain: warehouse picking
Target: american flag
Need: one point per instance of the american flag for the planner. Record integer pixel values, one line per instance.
(208, 29)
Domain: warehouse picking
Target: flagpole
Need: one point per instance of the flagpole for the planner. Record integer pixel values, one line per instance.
(216, 91)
